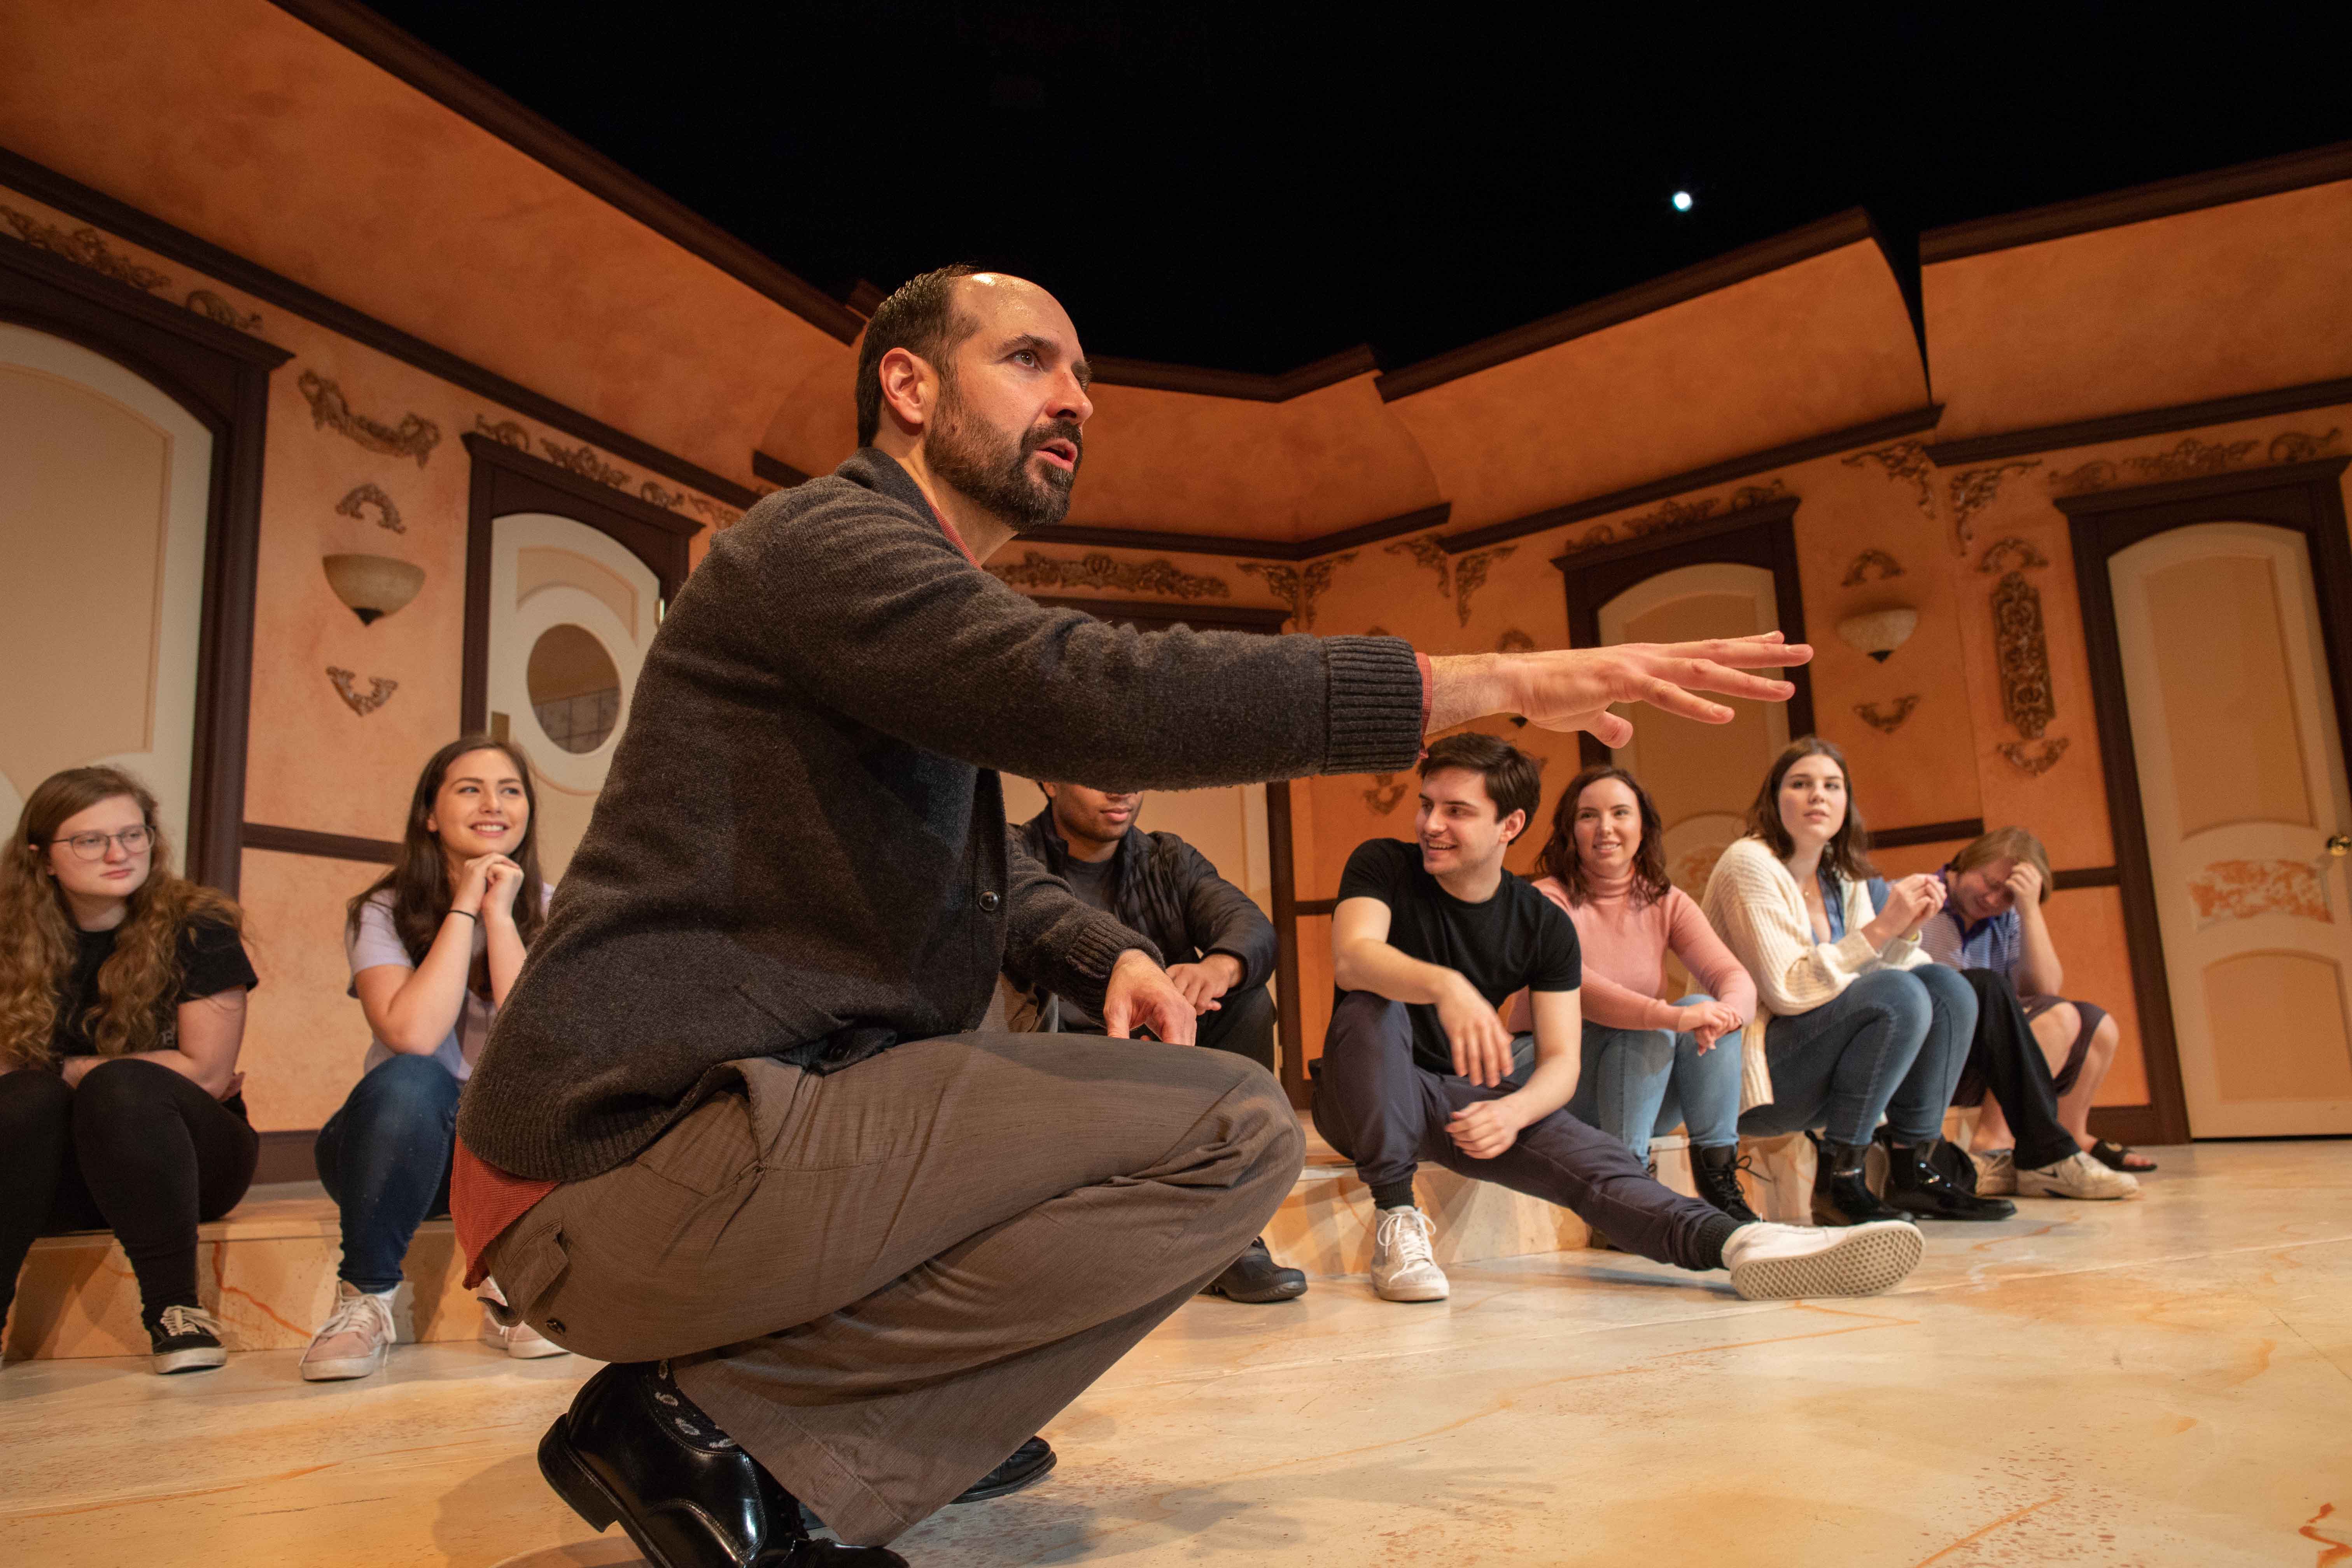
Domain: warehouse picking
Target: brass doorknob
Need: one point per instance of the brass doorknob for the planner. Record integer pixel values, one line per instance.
(2339, 845)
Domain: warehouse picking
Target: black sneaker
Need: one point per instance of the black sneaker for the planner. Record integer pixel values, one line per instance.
(1255, 1277)
(185, 1339)
(1716, 1174)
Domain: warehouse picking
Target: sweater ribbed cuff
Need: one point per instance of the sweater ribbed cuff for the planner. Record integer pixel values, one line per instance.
(1094, 951)
(1374, 707)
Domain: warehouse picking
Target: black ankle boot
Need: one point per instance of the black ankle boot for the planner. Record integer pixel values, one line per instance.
(1916, 1187)
(1840, 1194)
(634, 1448)
(1716, 1172)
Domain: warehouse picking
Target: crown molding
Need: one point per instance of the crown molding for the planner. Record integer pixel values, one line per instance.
(2143, 422)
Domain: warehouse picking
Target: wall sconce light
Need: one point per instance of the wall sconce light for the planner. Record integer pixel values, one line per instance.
(1879, 633)
(372, 585)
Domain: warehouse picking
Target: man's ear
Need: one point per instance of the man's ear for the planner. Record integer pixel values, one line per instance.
(910, 389)
(1048, 788)
(1512, 825)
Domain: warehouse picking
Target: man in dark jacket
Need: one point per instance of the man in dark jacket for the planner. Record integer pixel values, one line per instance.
(1218, 945)
(737, 1132)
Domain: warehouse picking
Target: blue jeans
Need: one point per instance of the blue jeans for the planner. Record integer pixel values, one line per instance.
(1892, 1044)
(1637, 1084)
(384, 1159)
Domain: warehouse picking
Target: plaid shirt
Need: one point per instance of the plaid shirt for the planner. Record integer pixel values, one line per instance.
(1995, 944)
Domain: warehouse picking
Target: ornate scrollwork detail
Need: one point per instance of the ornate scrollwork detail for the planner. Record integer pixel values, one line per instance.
(2010, 555)
(414, 437)
(1604, 534)
(711, 512)
(1386, 791)
(1470, 576)
(1871, 567)
(84, 247)
(2034, 759)
(1973, 490)
(506, 432)
(583, 460)
(1674, 514)
(2243, 889)
(379, 692)
(387, 514)
(2024, 655)
(206, 303)
(2295, 446)
(1905, 462)
(1426, 550)
(1514, 641)
(1100, 571)
(1889, 720)
(1298, 587)
(2186, 459)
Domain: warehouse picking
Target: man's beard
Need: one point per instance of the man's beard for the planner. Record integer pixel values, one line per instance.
(993, 469)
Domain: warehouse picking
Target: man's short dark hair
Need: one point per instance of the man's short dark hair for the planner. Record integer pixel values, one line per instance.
(921, 318)
(1514, 779)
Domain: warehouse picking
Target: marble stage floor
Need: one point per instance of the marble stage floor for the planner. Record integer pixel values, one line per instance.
(2159, 1382)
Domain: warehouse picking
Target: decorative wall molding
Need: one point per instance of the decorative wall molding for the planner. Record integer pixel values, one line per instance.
(1871, 567)
(325, 846)
(717, 515)
(206, 303)
(2036, 758)
(1887, 720)
(2024, 656)
(2190, 457)
(1470, 576)
(2010, 555)
(506, 432)
(85, 246)
(1098, 571)
(380, 690)
(414, 437)
(1677, 514)
(1514, 641)
(2242, 890)
(1387, 790)
(387, 514)
(1426, 550)
(1298, 586)
(583, 460)
(1973, 490)
(1905, 462)
(1953, 832)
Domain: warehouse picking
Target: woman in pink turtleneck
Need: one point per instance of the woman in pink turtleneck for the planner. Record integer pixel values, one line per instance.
(1648, 1064)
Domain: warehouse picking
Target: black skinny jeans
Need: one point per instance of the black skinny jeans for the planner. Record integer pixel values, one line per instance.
(134, 1148)
(2005, 1054)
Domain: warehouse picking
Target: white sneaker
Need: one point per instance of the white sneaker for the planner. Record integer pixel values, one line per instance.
(1777, 1262)
(354, 1341)
(1404, 1267)
(518, 1339)
(1996, 1172)
(2076, 1176)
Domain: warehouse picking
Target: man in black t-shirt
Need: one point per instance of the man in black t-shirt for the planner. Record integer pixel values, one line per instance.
(1428, 941)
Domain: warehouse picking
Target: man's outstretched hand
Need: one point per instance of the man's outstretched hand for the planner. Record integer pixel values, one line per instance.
(1573, 689)
(1141, 997)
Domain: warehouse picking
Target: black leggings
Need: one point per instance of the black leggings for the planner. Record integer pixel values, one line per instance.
(134, 1148)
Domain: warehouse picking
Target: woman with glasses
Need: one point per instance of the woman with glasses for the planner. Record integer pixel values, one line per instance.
(121, 1008)
(433, 946)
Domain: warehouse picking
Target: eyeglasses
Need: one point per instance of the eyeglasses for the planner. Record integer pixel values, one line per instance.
(93, 845)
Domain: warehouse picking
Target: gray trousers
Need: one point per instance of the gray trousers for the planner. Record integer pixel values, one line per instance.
(882, 1282)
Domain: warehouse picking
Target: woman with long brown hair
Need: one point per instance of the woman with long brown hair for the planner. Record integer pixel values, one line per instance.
(1648, 1064)
(435, 946)
(121, 1010)
(1854, 1021)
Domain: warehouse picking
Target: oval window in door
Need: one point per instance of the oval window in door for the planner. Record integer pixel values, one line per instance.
(575, 687)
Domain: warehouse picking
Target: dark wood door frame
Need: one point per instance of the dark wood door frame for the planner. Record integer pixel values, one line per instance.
(220, 376)
(1764, 535)
(2307, 498)
(1283, 874)
(506, 480)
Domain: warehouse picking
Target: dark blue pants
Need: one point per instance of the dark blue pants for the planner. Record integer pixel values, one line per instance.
(384, 1159)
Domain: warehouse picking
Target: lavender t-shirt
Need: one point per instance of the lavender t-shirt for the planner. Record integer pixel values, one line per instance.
(377, 942)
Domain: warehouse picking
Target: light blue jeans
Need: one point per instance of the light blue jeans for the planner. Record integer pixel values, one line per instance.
(1892, 1044)
(1637, 1084)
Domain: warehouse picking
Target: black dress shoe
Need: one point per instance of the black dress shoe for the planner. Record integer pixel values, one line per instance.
(1841, 1193)
(1255, 1277)
(1716, 1172)
(636, 1449)
(1024, 1466)
(1916, 1187)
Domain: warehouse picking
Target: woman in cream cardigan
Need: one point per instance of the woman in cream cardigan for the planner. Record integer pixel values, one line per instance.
(1854, 1022)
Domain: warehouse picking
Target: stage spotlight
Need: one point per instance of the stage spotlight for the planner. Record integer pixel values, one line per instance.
(1682, 200)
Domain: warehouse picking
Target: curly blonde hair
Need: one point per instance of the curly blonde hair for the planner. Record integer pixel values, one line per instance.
(139, 979)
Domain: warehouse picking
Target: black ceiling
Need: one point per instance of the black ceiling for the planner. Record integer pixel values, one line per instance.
(1251, 189)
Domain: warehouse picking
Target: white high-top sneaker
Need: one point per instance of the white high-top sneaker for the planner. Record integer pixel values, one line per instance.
(1776, 1262)
(1404, 1267)
(2075, 1176)
(359, 1334)
(503, 1330)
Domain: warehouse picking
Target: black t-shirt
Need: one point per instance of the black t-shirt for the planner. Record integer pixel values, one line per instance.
(212, 960)
(1517, 938)
(1091, 883)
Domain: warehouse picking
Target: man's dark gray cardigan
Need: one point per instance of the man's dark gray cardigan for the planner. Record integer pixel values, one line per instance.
(801, 846)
